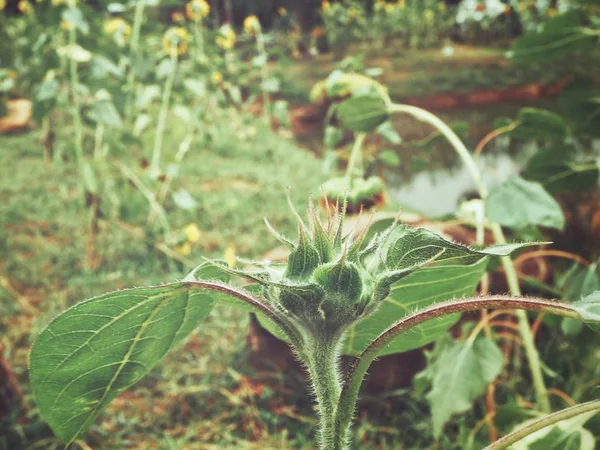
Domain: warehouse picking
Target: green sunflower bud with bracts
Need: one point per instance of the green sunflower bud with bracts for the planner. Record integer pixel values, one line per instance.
(333, 278)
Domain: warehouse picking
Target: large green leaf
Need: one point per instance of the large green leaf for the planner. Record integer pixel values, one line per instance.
(580, 107)
(535, 123)
(459, 375)
(568, 434)
(418, 290)
(559, 36)
(363, 113)
(519, 203)
(100, 347)
(559, 169)
(589, 310)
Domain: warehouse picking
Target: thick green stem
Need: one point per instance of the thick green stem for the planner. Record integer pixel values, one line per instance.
(533, 357)
(355, 377)
(355, 167)
(164, 110)
(542, 423)
(322, 361)
(133, 53)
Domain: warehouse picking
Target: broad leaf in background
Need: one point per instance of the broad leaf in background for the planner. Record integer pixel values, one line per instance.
(559, 169)
(363, 113)
(459, 375)
(105, 112)
(580, 105)
(568, 434)
(113, 341)
(534, 123)
(589, 310)
(559, 36)
(74, 17)
(578, 282)
(419, 290)
(386, 130)
(389, 157)
(518, 203)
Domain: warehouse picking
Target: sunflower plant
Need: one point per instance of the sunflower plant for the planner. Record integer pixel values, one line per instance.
(337, 293)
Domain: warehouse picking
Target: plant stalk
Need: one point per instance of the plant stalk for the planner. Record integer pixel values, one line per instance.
(98, 138)
(533, 357)
(354, 169)
(356, 375)
(322, 361)
(551, 419)
(264, 74)
(133, 53)
(164, 110)
(76, 109)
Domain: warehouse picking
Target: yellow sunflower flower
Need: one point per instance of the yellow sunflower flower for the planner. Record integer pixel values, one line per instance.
(177, 37)
(25, 7)
(177, 17)
(229, 256)
(193, 233)
(226, 38)
(251, 24)
(197, 10)
(216, 77)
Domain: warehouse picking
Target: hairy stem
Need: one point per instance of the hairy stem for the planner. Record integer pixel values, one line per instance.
(322, 361)
(267, 309)
(533, 357)
(355, 377)
(542, 423)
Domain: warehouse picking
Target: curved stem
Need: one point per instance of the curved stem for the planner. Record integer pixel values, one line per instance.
(358, 370)
(267, 309)
(459, 146)
(493, 135)
(542, 423)
(533, 357)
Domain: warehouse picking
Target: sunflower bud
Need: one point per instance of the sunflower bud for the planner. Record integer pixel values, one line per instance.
(332, 278)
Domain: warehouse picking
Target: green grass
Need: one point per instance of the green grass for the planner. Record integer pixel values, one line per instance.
(426, 72)
(49, 261)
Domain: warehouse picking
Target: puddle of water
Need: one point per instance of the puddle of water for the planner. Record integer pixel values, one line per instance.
(438, 192)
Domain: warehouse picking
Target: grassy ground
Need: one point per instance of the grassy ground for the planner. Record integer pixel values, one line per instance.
(426, 72)
(49, 261)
